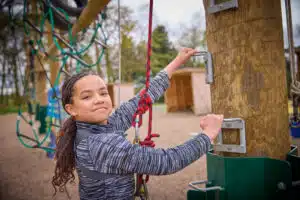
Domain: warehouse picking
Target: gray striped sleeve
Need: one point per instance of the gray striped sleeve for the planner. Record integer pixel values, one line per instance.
(112, 153)
(122, 117)
(158, 85)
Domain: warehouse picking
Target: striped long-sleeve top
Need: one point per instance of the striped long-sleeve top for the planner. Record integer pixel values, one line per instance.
(104, 150)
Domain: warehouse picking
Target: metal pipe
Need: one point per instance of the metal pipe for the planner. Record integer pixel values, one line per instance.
(290, 38)
(63, 41)
(120, 72)
(78, 59)
(33, 26)
(291, 52)
(97, 40)
(101, 43)
(193, 185)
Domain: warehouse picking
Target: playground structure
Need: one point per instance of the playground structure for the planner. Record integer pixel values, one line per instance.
(271, 177)
(44, 106)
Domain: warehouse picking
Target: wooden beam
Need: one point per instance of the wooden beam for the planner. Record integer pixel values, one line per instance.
(40, 74)
(54, 65)
(88, 15)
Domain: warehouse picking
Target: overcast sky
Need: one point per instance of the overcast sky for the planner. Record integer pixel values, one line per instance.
(173, 13)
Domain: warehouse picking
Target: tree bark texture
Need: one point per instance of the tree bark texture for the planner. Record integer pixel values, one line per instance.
(250, 75)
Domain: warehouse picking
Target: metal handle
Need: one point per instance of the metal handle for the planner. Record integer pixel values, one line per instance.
(208, 66)
(232, 123)
(193, 185)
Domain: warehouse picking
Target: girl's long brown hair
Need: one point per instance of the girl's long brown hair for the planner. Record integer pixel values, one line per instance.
(65, 155)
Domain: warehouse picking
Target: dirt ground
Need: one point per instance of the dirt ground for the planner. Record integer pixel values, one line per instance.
(25, 174)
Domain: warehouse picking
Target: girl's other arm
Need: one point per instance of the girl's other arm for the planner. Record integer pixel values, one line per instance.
(114, 154)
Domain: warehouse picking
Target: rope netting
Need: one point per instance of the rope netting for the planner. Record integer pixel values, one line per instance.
(44, 18)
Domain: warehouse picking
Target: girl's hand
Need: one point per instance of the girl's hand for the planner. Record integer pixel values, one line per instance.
(184, 54)
(211, 125)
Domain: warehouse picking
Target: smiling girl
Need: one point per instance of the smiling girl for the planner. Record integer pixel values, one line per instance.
(93, 141)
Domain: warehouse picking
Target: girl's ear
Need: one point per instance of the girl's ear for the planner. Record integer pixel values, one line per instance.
(70, 110)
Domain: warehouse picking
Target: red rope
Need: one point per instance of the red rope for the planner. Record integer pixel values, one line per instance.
(149, 48)
(145, 102)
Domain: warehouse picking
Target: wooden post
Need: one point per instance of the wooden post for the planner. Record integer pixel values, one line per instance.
(40, 74)
(88, 15)
(249, 74)
(54, 65)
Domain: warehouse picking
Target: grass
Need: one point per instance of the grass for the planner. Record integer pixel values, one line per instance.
(5, 109)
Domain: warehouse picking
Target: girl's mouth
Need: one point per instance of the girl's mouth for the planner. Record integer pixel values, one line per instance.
(100, 109)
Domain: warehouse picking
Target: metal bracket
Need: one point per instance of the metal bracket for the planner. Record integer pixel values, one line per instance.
(232, 123)
(193, 185)
(208, 66)
(214, 8)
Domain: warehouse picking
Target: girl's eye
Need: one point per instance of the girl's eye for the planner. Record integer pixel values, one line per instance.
(85, 97)
(104, 93)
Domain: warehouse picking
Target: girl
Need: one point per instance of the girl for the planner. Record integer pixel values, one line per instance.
(92, 140)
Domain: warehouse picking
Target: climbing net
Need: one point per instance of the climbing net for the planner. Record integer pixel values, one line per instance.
(44, 18)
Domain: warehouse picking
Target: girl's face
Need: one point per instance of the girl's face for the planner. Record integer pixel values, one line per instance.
(91, 102)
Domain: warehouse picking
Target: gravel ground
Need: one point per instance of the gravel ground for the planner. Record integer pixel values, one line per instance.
(26, 173)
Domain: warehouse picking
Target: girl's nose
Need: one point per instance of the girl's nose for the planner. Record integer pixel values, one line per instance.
(98, 99)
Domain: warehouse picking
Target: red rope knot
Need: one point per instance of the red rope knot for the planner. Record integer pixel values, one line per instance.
(143, 105)
(148, 142)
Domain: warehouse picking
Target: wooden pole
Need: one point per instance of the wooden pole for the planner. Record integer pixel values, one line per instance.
(249, 75)
(40, 74)
(54, 65)
(88, 15)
